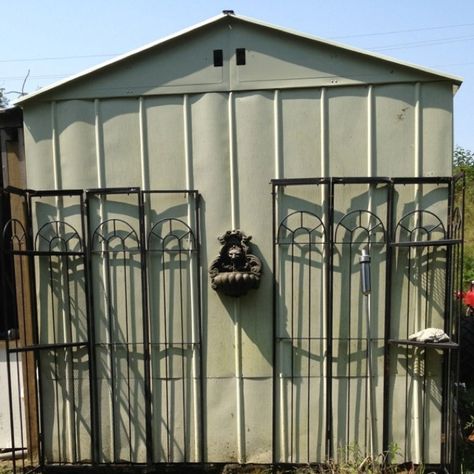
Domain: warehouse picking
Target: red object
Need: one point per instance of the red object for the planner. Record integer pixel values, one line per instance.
(469, 298)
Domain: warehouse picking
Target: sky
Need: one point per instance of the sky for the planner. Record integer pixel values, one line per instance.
(44, 41)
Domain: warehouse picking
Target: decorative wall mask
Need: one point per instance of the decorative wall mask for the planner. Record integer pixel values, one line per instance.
(235, 270)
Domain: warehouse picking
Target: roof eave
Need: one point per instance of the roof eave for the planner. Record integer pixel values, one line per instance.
(456, 80)
(117, 59)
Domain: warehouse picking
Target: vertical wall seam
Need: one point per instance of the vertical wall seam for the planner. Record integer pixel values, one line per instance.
(370, 426)
(144, 162)
(55, 148)
(98, 144)
(278, 174)
(187, 142)
(277, 133)
(370, 144)
(370, 132)
(324, 170)
(232, 164)
(101, 183)
(194, 322)
(324, 138)
(236, 307)
(417, 198)
(68, 423)
(418, 132)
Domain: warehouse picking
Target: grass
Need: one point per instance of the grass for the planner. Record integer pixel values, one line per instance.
(6, 467)
(356, 462)
(351, 460)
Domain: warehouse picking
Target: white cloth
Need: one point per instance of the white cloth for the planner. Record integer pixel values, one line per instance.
(429, 335)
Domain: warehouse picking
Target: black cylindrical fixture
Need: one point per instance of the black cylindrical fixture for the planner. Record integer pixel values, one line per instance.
(364, 261)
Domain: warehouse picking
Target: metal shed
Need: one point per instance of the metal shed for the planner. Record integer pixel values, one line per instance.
(330, 157)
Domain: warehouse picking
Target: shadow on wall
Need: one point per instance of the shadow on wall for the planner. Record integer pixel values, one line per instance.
(254, 310)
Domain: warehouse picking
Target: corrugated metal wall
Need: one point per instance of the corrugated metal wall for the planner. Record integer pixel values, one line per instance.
(157, 141)
(229, 146)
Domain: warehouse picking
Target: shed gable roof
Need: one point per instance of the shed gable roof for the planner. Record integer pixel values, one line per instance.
(275, 58)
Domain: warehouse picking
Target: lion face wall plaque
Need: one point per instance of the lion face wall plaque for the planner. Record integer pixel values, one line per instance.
(235, 270)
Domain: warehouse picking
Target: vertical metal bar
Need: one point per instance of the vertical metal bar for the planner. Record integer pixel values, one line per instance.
(308, 426)
(406, 355)
(453, 431)
(292, 360)
(329, 279)
(7, 342)
(423, 410)
(452, 330)
(349, 340)
(165, 339)
(91, 346)
(387, 320)
(454, 312)
(34, 311)
(274, 329)
(429, 255)
(146, 331)
(447, 359)
(70, 372)
(29, 357)
(26, 356)
(126, 258)
(10, 401)
(111, 348)
(55, 358)
(194, 295)
(199, 303)
(181, 310)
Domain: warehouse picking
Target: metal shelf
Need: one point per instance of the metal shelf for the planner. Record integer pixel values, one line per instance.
(430, 345)
(53, 346)
(427, 243)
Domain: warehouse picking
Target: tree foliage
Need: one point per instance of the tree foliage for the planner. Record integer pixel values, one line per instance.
(463, 161)
(463, 158)
(3, 99)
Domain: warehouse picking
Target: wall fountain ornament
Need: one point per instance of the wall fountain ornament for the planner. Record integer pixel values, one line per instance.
(235, 271)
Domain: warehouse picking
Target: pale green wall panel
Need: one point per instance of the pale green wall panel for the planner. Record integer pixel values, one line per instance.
(165, 142)
(75, 129)
(394, 129)
(221, 443)
(121, 142)
(276, 60)
(347, 131)
(38, 147)
(258, 435)
(300, 130)
(150, 73)
(254, 164)
(211, 175)
(437, 120)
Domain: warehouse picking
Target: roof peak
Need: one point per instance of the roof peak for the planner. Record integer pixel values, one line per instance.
(230, 15)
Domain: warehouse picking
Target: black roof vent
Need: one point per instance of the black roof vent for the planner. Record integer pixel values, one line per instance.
(228, 12)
